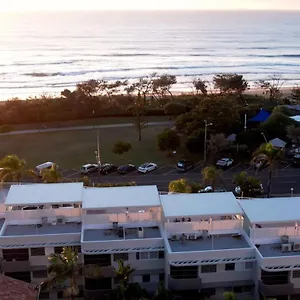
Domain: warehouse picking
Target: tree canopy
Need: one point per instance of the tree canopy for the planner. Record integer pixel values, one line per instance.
(120, 147)
(168, 140)
(230, 83)
(180, 186)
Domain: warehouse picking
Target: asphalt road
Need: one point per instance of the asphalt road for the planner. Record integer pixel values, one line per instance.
(283, 179)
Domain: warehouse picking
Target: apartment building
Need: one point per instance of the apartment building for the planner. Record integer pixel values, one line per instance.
(206, 246)
(272, 225)
(210, 243)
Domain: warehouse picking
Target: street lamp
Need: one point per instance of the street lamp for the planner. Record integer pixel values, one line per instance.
(264, 137)
(292, 192)
(205, 137)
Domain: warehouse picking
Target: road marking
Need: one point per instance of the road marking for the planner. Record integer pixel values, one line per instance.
(286, 167)
(288, 182)
(169, 172)
(197, 167)
(73, 174)
(248, 168)
(151, 172)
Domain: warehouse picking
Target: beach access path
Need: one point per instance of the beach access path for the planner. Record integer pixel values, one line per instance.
(91, 127)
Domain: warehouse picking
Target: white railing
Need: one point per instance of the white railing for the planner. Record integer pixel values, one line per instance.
(213, 226)
(272, 234)
(121, 218)
(33, 216)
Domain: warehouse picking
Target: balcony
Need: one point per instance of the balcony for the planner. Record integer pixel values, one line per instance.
(34, 235)
(125, 239)
(15, 266)
(184, 284)
(214, 227)
(275, 290)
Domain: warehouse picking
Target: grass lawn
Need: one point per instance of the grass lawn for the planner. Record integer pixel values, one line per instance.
(73, 148)
(89, 122)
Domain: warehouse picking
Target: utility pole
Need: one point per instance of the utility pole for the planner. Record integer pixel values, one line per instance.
(264, 137)
(205, 137)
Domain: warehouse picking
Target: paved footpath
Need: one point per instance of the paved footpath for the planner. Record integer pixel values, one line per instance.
(121, 125)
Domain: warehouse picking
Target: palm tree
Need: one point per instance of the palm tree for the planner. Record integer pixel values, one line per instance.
(52, 175)
(13, 168)
(65, 267)
(272, 156)
(179, 186)
(162, 294)
(122, 273)
(229, 296)
(210, 175)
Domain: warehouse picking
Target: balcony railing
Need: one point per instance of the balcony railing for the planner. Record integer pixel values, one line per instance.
(213, 226)
(275, 290)
(184, 284)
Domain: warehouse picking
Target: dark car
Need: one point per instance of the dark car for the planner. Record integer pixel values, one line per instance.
(184, 165)
(296, 160)
(108, 168)
(126, 169)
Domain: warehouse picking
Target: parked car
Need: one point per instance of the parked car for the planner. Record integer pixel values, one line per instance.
(252, 193)
(147, 167)
(107, 169)
(89, 168)
(184, 165)
(224, 162)
(260, 164)
(125, 169)
(44, 166)
(296, 160)
(210, 189)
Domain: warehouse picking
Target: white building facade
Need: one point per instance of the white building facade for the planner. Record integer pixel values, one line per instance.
(194, 243)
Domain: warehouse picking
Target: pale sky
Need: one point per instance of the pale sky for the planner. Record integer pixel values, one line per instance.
(38, 5)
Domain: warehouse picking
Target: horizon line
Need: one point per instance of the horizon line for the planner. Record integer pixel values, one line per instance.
(154, 10)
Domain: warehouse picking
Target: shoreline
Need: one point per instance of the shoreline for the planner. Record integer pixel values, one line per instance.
(286, 91)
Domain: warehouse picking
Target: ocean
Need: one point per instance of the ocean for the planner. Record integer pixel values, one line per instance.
(44, 53)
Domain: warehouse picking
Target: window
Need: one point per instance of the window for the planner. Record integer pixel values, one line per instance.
(44, 295)
(229, 267)
(161, 254)
(37, 251)
(209, 269)
(249, 265)
(146, 278)
(161, 276)
(15, 254)
(98, 284)
(153, 255)
(58, 250)
(148, 255)
(238, 289)
(184, 272)
(296, 274)
(99, 259)
(40, 274)
(60, 295)
(208, 292)
(247, 289)
(122, 256)
(274, 278)
(137, 256)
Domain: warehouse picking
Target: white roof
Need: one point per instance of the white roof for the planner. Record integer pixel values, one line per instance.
(201, 204)
(296, 118)
(278, 143)
(50, 193)
(272, 210)
(129, 196)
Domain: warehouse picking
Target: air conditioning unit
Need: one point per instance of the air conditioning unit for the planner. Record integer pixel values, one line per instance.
(60, 221)
(140, 232)
(286, 247)
(296, 247)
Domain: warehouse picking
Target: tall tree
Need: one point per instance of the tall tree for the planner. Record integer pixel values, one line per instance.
(210, 175)
(65, 268)
(272, 156)
(272, 87)
(293, 133)
(200, 86)
(162, 84)
(296, 93)
(217, 143)
(249, 185)
(230, 83)
(14, 169)
(168, 140)
(180, 186)
(122, 273)
(52, 175)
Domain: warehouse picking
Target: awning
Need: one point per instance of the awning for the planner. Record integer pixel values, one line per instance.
(278, 143)
(262, 116)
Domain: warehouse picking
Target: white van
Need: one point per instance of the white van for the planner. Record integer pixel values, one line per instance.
(47, 165)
